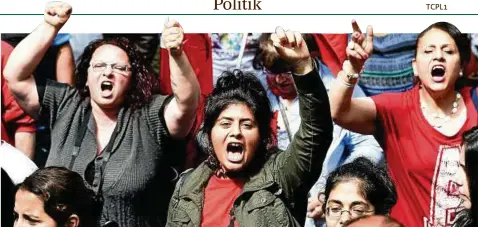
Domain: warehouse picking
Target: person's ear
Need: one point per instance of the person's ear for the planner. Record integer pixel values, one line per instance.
(73, 221)
(414, 66)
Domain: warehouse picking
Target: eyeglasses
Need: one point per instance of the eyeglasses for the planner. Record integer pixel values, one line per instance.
(355, 212)
(119, 68)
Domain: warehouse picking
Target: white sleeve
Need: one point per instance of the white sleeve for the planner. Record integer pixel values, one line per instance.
(16, 164)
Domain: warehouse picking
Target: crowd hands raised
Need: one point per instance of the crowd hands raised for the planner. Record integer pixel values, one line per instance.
(263, 146)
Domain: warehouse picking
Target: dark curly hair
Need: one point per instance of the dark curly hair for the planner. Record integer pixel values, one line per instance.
(143, 81)
(469, 217)
(63, 193)
(374, 182)
(233, 88)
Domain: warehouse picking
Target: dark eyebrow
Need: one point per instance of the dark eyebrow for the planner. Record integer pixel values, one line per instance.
(335, 201)
(225, 118)
(232, 119)
(444, 45)
(358, 203)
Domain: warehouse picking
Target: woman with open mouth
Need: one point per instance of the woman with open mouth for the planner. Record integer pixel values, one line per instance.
(110, 128)
(244, 182)
(421, 129)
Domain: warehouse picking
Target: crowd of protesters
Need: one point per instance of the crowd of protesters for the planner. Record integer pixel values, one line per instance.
(239, 129)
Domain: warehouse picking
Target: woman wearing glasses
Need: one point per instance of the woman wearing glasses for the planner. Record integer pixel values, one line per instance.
(346, 145)
(110, 128)
(357, 189)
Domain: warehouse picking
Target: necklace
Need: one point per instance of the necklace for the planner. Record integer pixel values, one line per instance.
(443, 118)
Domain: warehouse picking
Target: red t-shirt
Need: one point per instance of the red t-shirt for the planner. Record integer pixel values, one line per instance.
(219, 197)
(422, 161)
(14, 119)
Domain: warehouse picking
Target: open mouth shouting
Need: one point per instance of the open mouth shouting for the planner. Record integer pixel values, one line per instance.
(438, 73)
(106, 89)
(235, 152)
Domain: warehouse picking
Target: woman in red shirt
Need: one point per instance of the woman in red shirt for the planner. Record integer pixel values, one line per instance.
(420, 129)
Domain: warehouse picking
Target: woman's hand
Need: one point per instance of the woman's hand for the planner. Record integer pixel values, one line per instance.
(360, 47)
(314, 206)
(57, 14)
(293, 49)
(172, 37)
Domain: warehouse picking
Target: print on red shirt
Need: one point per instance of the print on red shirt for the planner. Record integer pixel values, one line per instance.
(445, 198)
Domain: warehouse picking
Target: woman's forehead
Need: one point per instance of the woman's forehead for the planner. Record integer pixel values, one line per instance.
(109, 52)
(347, 192)
(436, 36)
(236, 110)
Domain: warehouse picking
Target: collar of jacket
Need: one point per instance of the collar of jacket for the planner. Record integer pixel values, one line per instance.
(193, 188)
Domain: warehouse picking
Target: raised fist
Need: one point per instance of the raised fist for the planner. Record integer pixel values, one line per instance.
(57, 13)
(172, 37)
(291, 48)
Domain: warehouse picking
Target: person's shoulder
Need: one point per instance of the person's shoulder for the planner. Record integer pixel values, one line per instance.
(405, 99)
(470, 94)
(400, 95)
(466, 91)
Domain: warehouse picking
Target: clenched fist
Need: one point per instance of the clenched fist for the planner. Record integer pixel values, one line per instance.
(57, 13)
(293, 49)
(172, 37)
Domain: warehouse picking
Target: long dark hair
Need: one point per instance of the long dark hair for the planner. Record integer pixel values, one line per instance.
(143, 82)
(63, 193)
(374, 183)
(237, 87)
(469, 217)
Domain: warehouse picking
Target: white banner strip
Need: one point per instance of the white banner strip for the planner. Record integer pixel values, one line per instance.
(226, 24)
(199, 16)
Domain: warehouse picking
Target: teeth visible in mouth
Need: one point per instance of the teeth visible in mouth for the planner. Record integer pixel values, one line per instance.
(438, 67)
(106, 85)
(235, 157)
